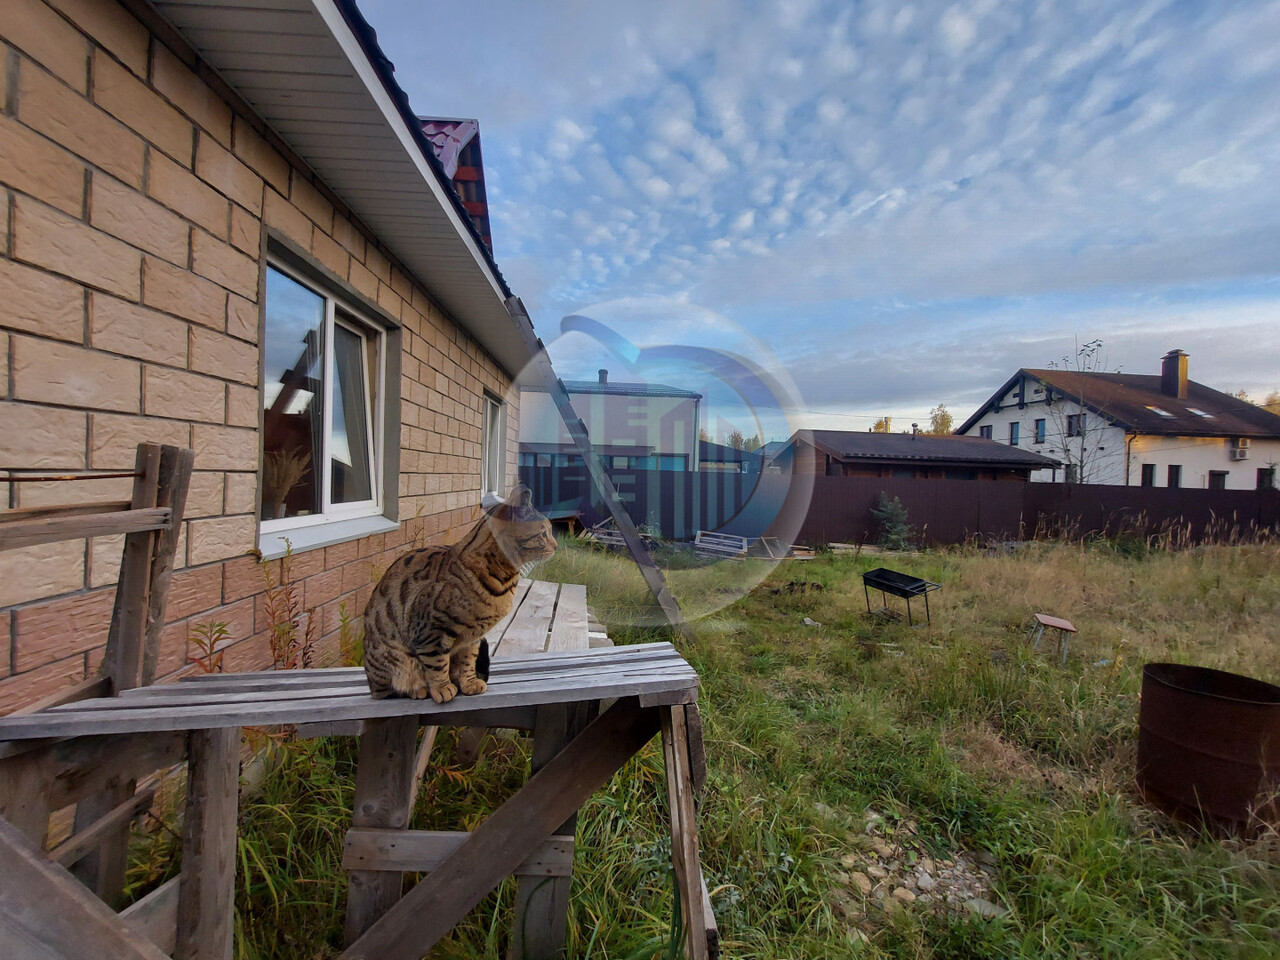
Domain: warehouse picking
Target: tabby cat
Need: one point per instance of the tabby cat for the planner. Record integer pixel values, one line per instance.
(426, 621)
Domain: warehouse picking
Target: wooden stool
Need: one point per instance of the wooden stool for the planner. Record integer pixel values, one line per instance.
(1043, 622)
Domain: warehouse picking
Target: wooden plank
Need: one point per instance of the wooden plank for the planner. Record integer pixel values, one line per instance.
(684, 830)
(527, 632)
(174, 479)
(28, 533)
(507, 838)
(84, 690)
(63, 510)
(425, 850)
(713, 929)
(155, 916)
(384, 775)
(45, 913)
(697, 751)
(420, 761)
(206, 888)
(272, 679)
(102, 870)
(76, 846)
(569, 629)
(542, 907)
(63, 772)
(551, 674)
(494, 636)
(674, 685)
(123, 659)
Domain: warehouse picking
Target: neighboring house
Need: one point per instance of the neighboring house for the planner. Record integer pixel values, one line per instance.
(1141, 430)
(648, 426)
(226, 229)
(718, 457)
(847, 453)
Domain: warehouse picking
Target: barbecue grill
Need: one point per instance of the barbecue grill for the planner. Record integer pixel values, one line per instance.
(900, 585)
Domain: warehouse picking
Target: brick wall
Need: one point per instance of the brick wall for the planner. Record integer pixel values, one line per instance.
(133, 206)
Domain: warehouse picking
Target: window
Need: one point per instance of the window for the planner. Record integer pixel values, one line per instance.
(668, 462)
(1015, 429)
(1218, 479)
(493, 450)
(1266, 478)
(323, 398)
(1148, 474)
(1040, 431)
(1073, 473)
(1175, 475)
(543, 459)
(1075, 425)
(985, 432)
(962, 474)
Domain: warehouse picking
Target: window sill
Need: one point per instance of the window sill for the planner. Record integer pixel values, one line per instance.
(272, 545)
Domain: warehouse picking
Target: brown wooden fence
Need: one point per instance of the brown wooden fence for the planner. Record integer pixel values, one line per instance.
(838, 509)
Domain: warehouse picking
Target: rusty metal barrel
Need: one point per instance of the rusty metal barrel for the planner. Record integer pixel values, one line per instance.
(1209, 746)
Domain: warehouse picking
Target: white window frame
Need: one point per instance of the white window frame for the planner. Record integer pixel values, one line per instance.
(273, 531)
(493, 459)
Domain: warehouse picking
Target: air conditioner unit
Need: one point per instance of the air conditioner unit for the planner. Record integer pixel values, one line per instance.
(1239, 454)
(1240, 443)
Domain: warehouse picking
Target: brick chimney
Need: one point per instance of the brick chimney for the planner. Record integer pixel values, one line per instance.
(1173, 374)
(604, 375)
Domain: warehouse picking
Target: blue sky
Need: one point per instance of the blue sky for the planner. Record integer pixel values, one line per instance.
(900, 204)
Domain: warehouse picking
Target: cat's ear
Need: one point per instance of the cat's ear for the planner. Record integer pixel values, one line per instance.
(521, 496)
(517, 506)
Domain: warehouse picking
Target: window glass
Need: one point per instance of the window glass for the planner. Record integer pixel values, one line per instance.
(1218, 479)
(670, 462)
(1175, 475)
(349, 439)
(321, 394)
(1014, 430)
(493, 446)
(1040, 431)
(1266, 478)
(984, 432)
(293, 398)
(1148, 474)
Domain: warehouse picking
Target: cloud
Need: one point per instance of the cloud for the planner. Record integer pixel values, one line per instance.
(858, 171)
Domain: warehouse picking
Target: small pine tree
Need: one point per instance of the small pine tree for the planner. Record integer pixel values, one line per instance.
(895, 531)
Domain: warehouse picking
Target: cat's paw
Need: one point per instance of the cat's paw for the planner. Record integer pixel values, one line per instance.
(444, 693)
(472, 686)
(418, 692)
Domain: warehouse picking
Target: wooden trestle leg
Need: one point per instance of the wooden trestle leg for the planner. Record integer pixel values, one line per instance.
(697, 922)
(510, 834)
(384, 798)
(206, 889)
(542, 903)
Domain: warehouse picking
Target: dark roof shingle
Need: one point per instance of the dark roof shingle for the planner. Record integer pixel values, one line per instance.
(905, 447)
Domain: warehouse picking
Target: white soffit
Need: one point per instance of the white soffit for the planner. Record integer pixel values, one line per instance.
(302, 69)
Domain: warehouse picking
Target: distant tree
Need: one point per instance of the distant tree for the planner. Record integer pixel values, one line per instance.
(1080, 433)
(1272, 402)
(1243, 394)
(752, 443)
(940, 421)
(895, 531)
(703, 435)
(735, 439)
(882, 425)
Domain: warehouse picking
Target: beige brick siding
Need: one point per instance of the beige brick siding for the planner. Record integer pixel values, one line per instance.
(133, 200)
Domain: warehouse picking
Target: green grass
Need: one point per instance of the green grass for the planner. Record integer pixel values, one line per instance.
(956, 728)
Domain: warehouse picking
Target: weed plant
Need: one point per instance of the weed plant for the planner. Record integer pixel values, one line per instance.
(956, 727)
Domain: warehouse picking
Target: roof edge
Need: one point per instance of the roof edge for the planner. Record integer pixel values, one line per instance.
(367, 37)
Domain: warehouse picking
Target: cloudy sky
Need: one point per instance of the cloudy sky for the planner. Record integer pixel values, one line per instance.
(900, 203)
